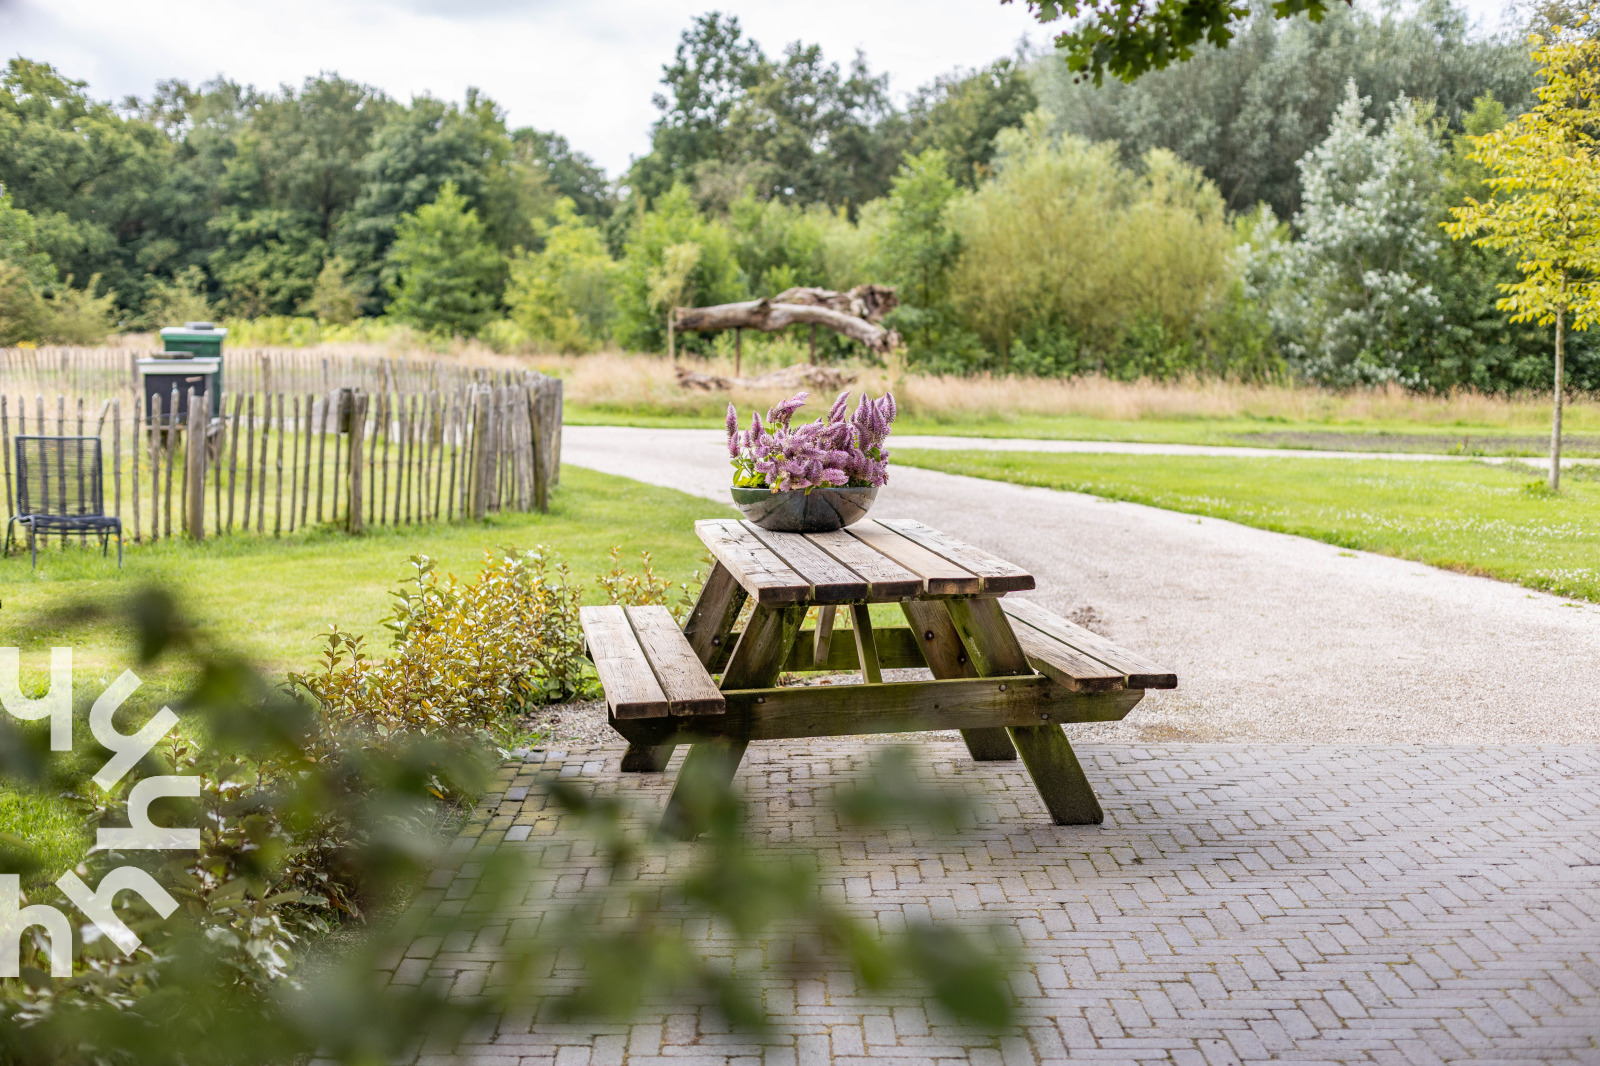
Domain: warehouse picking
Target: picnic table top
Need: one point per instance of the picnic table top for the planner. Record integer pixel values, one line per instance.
(874, 561)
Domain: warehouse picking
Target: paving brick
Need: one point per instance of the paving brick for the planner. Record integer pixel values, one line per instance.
(1241, 904)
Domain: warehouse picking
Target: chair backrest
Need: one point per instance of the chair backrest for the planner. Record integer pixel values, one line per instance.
(59, 476)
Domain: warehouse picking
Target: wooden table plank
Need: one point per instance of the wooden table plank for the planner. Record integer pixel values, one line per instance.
(1140, 672)
(888, 581)
(997, 574)
(1067, 665)
(831, 581)
(632, 690)
(939, 575)
(767, 578)
(688, 688)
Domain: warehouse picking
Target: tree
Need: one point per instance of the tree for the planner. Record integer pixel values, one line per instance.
(714, 66)
(447, 273)
(963, 112)
(1545, 173)
(1248, 114)
(1072, 263)
(798, 129)
(417, 151)
(646, 272)
(569, 173)
(1367, 248)
(561, 296)
(334, 300)
(92, 179)
(1131, 37)
(918, 249)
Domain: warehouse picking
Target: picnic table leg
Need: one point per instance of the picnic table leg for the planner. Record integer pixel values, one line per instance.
(866, 646)
(1045, 750)
(710, 765)
(710, 621)
(947, 658)
(823, 636)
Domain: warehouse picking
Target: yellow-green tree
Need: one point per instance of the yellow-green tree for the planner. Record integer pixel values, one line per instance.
(561, 296)
(1544, 174)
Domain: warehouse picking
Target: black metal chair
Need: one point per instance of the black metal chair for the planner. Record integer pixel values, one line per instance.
(59, 490)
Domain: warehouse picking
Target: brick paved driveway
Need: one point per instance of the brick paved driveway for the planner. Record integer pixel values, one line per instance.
(1301, 903)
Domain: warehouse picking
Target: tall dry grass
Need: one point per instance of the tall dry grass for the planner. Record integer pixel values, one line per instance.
(615, 383)
(621, 384)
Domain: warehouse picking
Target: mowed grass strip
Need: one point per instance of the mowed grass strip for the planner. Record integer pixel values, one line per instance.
(272, 598)
(1478, 518)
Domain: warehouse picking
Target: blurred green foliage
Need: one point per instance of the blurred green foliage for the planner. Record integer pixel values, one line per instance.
(309, 819)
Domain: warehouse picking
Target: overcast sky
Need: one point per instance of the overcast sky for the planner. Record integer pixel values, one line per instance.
(586, 69)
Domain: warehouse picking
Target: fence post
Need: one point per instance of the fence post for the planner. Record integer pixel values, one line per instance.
(170, 443)
(194, 473)
(482, 453)
(358, 426)
(541, 486)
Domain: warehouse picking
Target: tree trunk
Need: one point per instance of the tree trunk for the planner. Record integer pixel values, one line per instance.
(769, 316)
(1555, 425)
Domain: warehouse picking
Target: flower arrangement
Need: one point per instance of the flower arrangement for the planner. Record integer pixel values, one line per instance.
(840, 450)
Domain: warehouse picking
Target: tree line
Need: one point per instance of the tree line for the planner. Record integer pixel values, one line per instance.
(1274, 208)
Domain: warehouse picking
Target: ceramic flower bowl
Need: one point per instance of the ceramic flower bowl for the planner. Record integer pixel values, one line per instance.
(822, 510)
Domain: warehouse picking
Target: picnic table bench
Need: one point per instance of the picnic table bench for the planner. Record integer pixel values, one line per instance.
(1007, 672)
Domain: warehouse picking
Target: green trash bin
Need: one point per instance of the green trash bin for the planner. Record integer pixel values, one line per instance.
(200, 339)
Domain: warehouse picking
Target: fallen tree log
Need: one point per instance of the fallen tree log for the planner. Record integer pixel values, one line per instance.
(768, 317)
(852, 314)
(870, 302)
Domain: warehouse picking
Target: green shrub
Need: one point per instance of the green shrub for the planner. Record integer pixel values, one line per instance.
(561, 296)
(467, 656)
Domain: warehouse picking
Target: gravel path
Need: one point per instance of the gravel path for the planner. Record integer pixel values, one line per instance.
(1275, 638)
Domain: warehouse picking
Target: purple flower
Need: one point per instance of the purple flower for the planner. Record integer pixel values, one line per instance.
(782, 413)
(841, 449)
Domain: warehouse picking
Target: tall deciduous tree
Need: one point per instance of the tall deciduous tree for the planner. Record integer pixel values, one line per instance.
(918, 247)
(1247, 114)
(1544, 169)
(963, 112)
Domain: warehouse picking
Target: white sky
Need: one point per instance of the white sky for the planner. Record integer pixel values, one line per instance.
(585, 69)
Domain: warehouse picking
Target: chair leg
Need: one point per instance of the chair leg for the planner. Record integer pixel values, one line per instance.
(33, 545)
(119, 549)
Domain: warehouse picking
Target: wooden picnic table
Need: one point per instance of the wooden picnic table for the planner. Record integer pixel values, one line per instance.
(1007, 673)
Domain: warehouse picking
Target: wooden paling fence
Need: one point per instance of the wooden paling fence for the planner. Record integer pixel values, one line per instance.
(98, 373)
(279, 461)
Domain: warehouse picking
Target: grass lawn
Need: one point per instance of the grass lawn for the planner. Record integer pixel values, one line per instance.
(1478, 518)
(1348, 435)
(270, 598)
